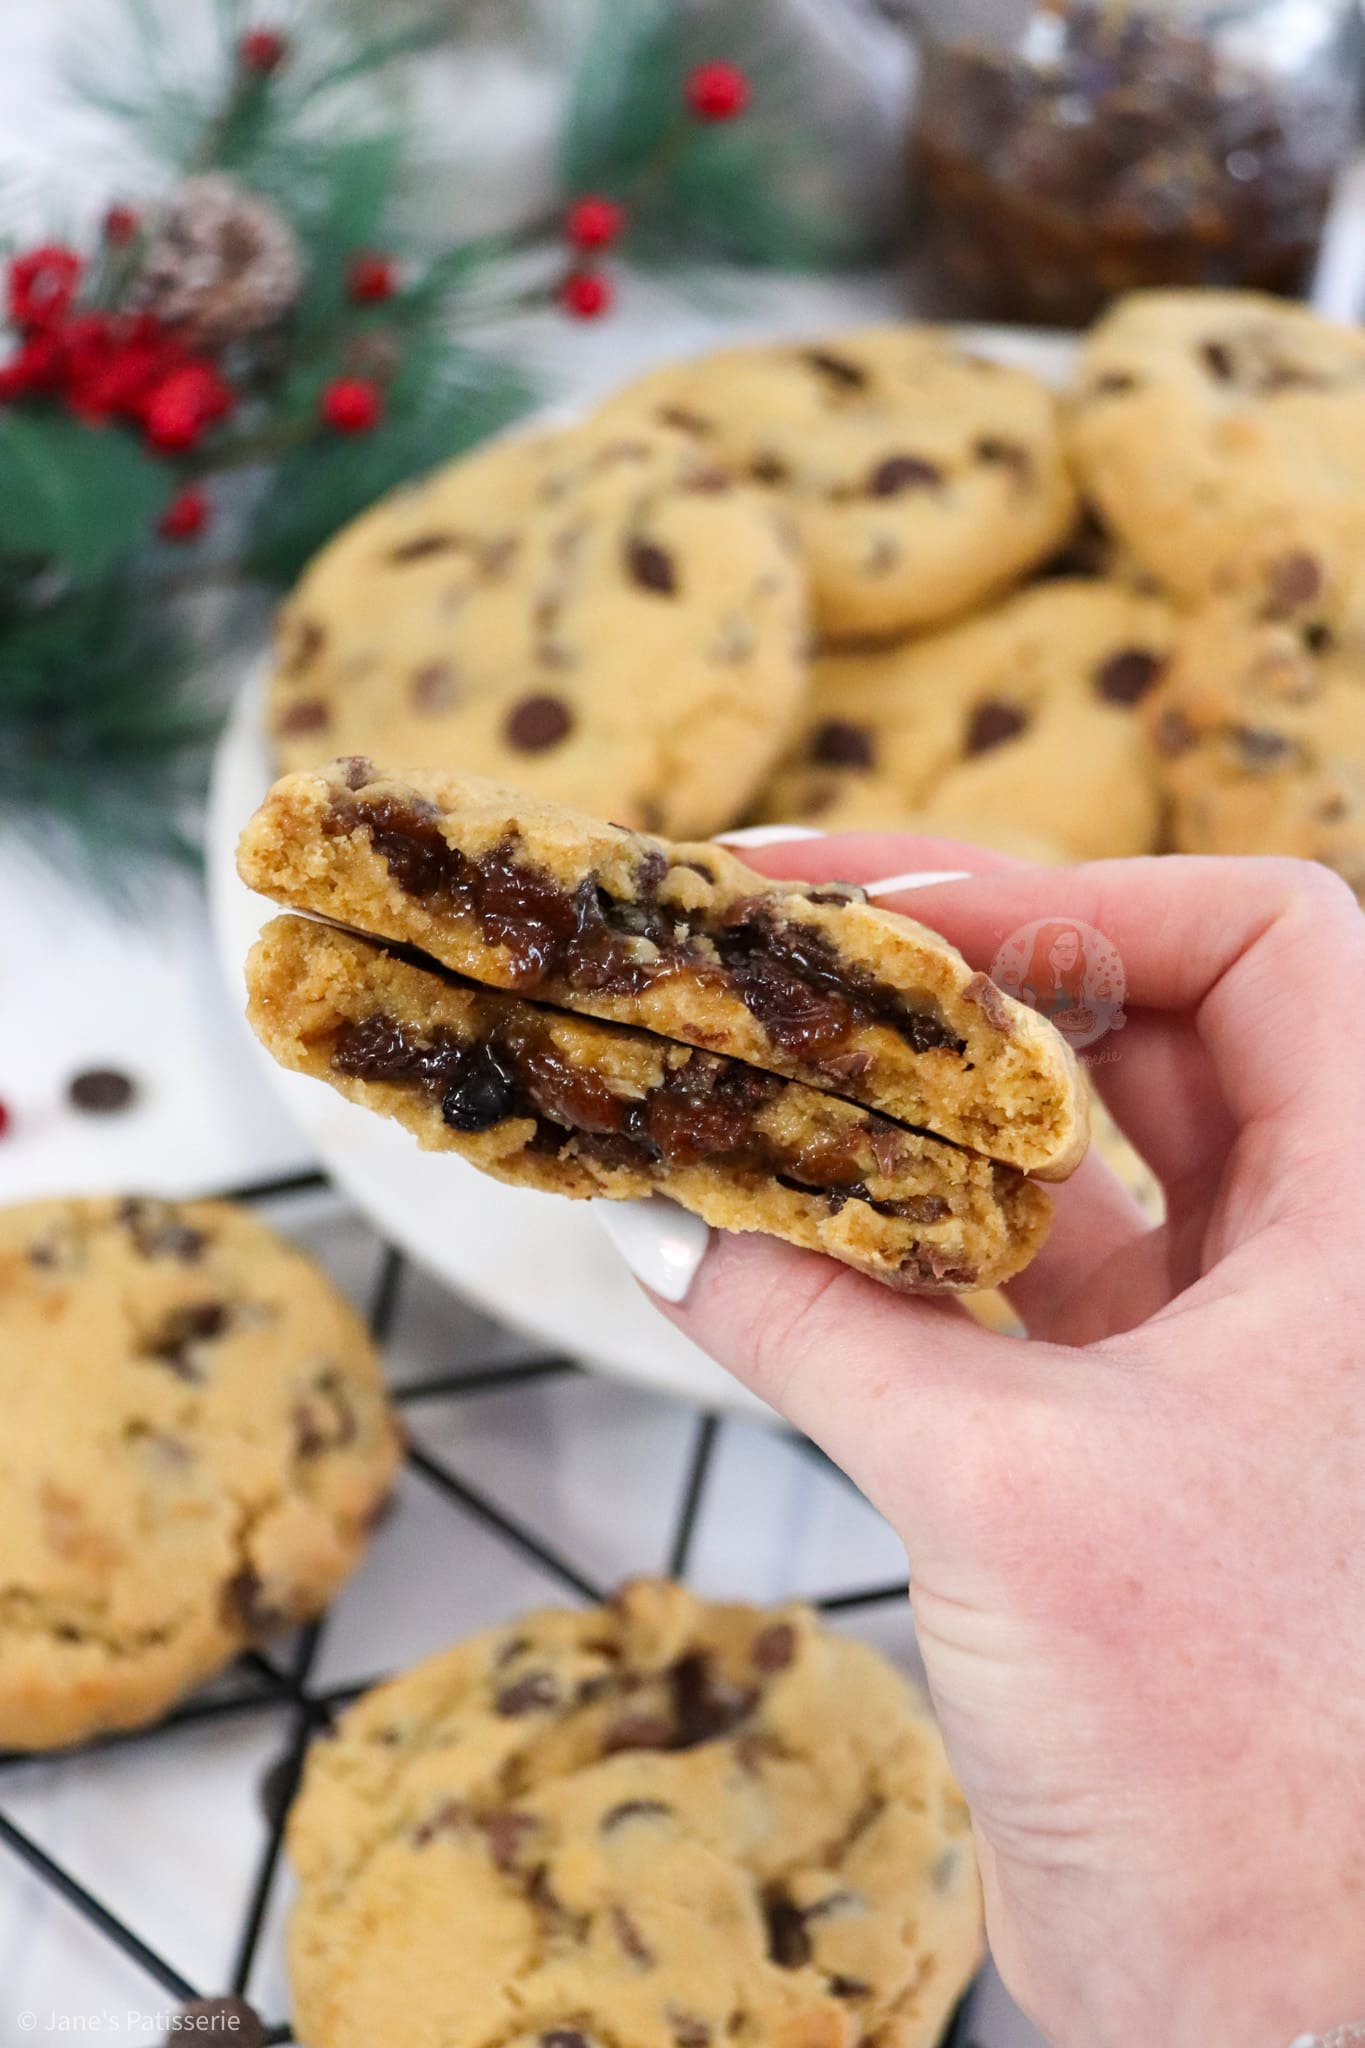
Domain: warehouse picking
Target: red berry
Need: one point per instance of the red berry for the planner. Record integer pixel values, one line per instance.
(42, 285)
(263, 50)
(4, 1119)
(352, 405)
(594, 222)
(717, 92)
(186, 516)
(183, 404)
(35, 368)
(372, 276)
(121, 223)
(586, 295)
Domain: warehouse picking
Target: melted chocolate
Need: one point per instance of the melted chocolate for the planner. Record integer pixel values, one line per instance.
(788, 974)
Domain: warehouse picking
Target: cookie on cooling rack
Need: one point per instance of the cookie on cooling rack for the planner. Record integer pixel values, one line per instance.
(196, 1442)
(661, 1821)
(1018, 729)
(922, 477)
(600, 616)
(683, 940)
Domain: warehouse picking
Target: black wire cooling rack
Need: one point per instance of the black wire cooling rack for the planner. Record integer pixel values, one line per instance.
(261, 1683)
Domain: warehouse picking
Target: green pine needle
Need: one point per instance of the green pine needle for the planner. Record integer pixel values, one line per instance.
(103, 753)
(696, 190)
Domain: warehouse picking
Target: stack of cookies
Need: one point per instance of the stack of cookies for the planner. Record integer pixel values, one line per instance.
(881, 581)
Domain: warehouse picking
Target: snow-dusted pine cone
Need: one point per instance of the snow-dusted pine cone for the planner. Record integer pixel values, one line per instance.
(222, 264)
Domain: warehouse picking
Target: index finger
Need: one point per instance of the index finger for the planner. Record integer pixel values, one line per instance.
(1268, 955)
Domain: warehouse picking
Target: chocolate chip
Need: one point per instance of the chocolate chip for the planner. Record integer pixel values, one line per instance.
(433, 688)
(847, 1987)
(198, 1322)
(222, 2019)
(839, 743)
(537, 723)
(686, 422)
(306, 714)
(536, 1693)
(100, 1091)
(997, 453)
(705, 1704)
(450, 1818)
(633, 1809)
(507, 1835)
(158, 1233)
(769, 469)
(980, 989)
(775, 1647)
(1261, 747)
(637, 1731)
(357, 771)
(245, 1606)
(1217, 359)
(1292, 581)
(652, 567)
(788, 1942)
(307, 642)
(903, 473)
(992, 723)
(1174, 734)
(1128, 675)
(481, 1095)
(422, 545)
(848, 376)
(1319, 638)
(688, 2031)
(630, 1937)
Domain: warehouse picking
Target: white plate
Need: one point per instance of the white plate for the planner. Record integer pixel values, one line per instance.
(532, 1261)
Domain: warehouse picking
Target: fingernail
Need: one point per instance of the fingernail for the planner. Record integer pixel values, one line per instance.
(922, 878)
(662, 1244)
(767, 835)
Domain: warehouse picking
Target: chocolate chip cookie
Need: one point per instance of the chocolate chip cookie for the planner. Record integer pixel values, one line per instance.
(1260, 723)
(1204, 419)
(196, 1442)
(922, 477)
(680, 939)
(573, 1106)
(600, 616)
(1018, 729)
(661, 1822)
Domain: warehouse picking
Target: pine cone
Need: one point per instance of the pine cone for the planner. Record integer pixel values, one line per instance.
(222, 264)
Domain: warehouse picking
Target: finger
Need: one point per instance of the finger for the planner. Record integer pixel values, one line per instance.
(1097, 1228)
(897, 1391)
(1159, 1063)
(1269, 954)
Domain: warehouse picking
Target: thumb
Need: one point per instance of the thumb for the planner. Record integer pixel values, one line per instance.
(907, 1395)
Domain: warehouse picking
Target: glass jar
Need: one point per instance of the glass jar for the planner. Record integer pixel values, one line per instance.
(1081, 148)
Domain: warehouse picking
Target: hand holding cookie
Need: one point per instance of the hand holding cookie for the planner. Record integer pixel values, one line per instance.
(1137, 1531)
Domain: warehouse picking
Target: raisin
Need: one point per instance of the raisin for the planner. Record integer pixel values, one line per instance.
(480, 1095)
(992, 723)
(652, 567)
(1127, 676)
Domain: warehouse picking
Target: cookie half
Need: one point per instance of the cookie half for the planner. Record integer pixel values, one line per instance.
(1204, 419)
(196, 1444)
(567, 1104)
(1019, 729)
(600, 616)
(682, 940)
(922, 477)
(662, 1822)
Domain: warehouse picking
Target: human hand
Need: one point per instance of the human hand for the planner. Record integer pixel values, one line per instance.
(1137, 1541)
